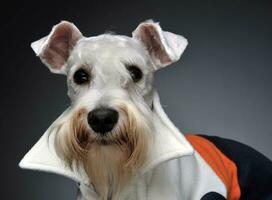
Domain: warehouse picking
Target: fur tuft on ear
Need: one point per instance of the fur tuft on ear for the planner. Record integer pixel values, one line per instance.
(55, 48)
(164, 47)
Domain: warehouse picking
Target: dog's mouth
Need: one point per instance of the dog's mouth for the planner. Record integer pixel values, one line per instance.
(104, 142)
(102, 139)
(87, 138)
(111, 138)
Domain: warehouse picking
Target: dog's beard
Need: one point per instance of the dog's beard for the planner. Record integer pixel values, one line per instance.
(109, 161)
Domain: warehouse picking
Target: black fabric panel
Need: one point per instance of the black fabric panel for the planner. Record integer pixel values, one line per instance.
(213, 196)
(254, 169)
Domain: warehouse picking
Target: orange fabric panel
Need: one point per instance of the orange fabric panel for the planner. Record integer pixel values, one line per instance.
(224, 168)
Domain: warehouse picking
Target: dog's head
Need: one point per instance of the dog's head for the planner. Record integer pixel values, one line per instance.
(110, 84)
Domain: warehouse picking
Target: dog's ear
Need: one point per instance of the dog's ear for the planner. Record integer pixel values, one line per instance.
(55, 48)
(164, 47)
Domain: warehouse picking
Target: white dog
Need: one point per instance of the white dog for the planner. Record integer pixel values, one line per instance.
(115, 140)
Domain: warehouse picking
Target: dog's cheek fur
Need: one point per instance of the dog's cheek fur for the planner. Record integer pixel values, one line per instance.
(110, 166)
(71, 139)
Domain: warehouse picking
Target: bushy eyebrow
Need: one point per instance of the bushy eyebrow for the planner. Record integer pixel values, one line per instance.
(137, 61)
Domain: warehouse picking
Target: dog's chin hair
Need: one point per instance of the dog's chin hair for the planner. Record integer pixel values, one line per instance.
(109, 162)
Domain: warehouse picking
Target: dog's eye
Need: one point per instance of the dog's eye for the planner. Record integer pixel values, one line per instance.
(81, 77)
(135, 73)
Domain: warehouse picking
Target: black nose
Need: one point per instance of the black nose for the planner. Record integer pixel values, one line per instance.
(102, 120)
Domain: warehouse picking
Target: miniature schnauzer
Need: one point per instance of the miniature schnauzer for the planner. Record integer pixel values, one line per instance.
(115, 139)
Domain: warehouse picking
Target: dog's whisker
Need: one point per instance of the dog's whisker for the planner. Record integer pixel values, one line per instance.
(122, 150)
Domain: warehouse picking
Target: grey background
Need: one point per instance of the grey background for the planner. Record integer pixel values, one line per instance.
(221, 86)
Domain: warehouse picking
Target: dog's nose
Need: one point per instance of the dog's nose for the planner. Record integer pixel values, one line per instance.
(102, 120)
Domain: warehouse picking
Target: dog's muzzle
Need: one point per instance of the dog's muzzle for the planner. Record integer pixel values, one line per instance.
(102, 120)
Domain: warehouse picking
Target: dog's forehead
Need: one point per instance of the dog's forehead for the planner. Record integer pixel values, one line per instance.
(111, 40)
(108, 47)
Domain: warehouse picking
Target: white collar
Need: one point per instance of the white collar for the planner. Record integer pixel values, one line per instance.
(169, 143)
